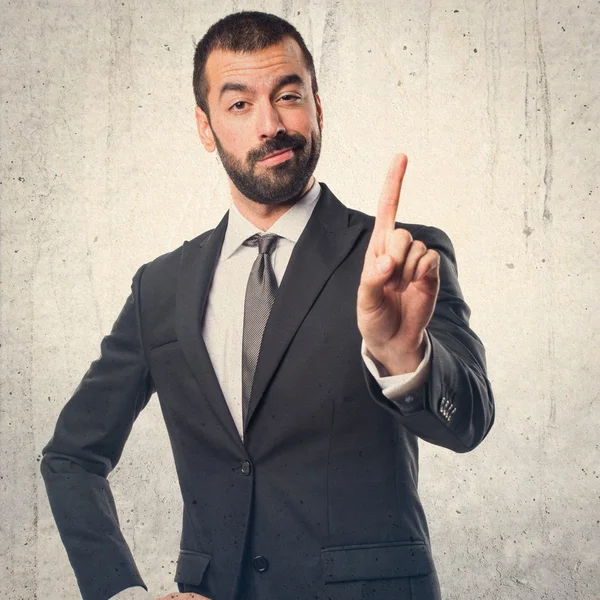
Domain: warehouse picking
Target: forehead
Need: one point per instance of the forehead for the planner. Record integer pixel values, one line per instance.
(262, 66)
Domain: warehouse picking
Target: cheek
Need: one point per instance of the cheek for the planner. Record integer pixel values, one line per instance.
(299, 119)
(307, 126)
(232, 139)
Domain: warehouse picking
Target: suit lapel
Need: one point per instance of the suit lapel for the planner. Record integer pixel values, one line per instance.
(325, 242)
(198, 262)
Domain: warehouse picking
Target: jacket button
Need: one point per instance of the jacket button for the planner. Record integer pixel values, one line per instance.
(260, 564)
(246, 467)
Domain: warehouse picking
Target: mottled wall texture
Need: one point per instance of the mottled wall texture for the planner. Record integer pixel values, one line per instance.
(496, 105)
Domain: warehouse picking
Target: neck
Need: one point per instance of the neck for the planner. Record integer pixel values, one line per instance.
(263, 216)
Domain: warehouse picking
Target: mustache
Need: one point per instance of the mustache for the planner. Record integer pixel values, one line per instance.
(282, 142)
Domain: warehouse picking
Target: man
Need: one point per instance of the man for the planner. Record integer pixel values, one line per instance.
(294, 379)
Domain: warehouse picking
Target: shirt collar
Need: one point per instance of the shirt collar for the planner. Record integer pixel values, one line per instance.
(290, 225)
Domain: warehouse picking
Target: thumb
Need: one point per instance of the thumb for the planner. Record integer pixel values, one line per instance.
(370, 290)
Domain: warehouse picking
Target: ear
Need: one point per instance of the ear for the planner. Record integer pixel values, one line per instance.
(319, 110)
(204, 130)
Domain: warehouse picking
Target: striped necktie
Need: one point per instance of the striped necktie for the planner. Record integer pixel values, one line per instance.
(260, 294)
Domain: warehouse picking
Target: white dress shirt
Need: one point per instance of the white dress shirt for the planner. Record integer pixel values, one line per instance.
(224, 316)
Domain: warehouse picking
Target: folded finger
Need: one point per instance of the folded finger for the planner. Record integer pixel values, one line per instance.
(415, 253)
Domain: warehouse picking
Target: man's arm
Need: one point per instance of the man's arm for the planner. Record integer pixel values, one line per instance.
(454, 405)
(86, 446)
(133, 593)
(409, 292)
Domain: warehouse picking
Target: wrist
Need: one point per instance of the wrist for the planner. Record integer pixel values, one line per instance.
(398, 360)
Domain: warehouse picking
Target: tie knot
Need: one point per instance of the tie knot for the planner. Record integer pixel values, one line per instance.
(266, 243)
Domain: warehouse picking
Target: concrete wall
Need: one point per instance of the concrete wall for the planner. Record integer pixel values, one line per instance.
(496, 106)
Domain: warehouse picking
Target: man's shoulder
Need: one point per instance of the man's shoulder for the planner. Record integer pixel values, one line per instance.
(433, 237)
(166, 265)
(425, 233)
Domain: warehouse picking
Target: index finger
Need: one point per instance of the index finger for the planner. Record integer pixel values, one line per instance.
(387, 208)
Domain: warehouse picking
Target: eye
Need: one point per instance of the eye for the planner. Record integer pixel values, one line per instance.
(238, 106)
(290, 98)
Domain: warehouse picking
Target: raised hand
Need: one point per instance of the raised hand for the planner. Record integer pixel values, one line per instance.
(399, 284)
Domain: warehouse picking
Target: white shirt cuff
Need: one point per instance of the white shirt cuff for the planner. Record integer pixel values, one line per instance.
(394, 386)
(132, 593)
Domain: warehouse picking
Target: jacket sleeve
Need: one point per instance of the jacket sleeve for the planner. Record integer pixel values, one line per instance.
(454, 407)
(86, 446)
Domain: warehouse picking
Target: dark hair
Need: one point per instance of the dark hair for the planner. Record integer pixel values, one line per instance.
(246, 31)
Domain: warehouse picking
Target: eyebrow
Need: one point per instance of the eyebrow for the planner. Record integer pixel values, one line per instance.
(231, 86)
(291, 79)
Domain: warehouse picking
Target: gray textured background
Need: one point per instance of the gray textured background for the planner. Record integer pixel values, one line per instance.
(496, 106)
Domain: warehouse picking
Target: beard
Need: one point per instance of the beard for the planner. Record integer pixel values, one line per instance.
(279, 183)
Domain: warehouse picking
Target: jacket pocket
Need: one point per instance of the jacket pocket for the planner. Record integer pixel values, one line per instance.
(191, 567)
(375, 561)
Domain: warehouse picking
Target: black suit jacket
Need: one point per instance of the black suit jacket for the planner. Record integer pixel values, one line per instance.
(320, 501)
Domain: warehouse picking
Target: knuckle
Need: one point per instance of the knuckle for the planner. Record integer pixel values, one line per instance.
(403, 236)
(433, 257)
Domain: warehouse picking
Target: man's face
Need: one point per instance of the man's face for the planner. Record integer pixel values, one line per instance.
(265, 120)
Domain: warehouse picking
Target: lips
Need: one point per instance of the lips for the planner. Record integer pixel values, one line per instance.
(277, 157)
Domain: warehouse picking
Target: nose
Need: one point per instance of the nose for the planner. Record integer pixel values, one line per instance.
(269, 122)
